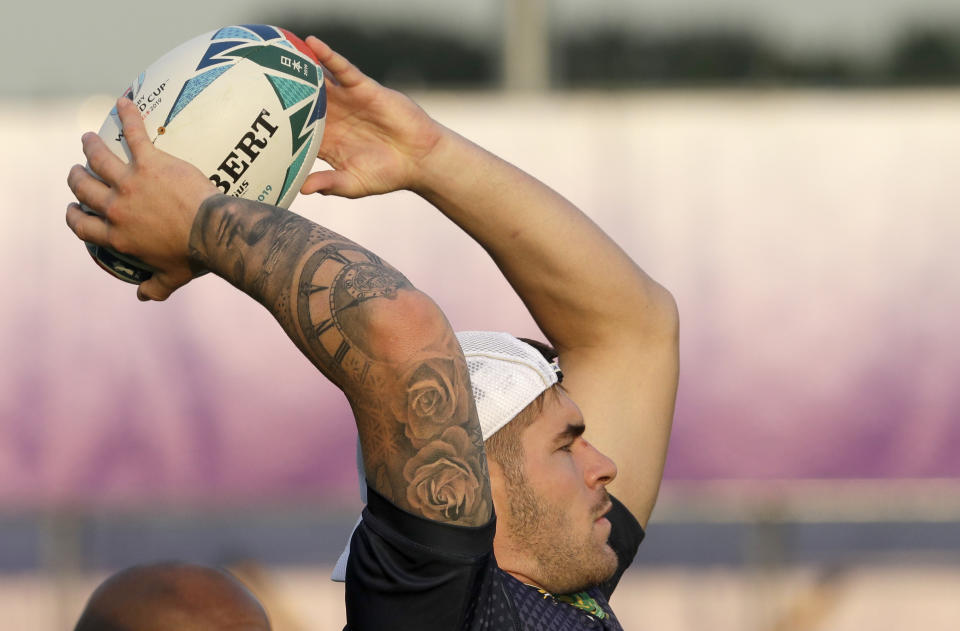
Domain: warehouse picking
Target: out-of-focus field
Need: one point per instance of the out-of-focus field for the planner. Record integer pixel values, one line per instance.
(881, 597)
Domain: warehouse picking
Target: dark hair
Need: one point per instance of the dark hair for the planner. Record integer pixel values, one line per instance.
(549, 353)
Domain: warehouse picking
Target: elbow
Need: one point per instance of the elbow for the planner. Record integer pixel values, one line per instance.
(669, 314)
(659, 315)
(397, 328)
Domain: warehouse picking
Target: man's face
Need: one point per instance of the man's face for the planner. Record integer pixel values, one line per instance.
(555, 533)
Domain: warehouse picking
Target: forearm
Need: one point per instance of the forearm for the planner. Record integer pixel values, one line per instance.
(385, 344)
(578, 284)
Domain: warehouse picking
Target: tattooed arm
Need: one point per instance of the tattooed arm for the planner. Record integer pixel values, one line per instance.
(360, 322)
(373, 334)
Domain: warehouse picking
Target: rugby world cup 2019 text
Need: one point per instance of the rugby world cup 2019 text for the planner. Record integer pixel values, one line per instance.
(244, 153)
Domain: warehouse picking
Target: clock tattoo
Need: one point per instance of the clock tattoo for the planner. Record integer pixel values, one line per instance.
(335, 280)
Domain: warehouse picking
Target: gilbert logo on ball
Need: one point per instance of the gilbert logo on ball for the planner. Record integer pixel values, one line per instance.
(244, 104)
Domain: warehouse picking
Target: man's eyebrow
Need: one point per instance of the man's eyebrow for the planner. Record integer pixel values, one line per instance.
(571, 432)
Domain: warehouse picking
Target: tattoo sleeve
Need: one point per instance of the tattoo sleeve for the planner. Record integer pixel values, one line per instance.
(384, 343)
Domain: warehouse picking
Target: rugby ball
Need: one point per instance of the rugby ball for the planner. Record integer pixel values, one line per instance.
(244, 104)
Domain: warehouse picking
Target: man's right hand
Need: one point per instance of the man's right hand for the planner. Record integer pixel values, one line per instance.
(144, 208)
(375, 138)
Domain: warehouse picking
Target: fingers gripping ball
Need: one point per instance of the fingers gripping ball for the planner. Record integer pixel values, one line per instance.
(244, 104)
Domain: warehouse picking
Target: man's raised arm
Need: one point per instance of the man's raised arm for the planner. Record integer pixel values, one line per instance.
(384, 343)
(615, 328)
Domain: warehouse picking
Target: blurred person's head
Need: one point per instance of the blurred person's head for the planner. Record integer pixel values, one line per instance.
(548, 483)
(164, 596)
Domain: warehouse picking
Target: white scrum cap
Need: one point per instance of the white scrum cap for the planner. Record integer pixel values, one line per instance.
(506, 375)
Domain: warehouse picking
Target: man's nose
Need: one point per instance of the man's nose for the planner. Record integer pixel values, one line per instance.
(601, 469)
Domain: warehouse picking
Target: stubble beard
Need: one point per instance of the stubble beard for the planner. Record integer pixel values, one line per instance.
(566, 563)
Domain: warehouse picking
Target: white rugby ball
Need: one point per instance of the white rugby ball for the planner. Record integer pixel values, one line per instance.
(244, 104)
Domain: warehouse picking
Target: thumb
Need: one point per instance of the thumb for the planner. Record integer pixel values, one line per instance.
(331, 182)
(158, 287)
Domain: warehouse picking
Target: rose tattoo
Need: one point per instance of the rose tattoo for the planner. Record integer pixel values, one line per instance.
(444, 478)
(431, 404)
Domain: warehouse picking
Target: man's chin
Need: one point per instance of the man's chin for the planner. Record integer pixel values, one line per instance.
(607, 569)
(589, 574)
(612, 563)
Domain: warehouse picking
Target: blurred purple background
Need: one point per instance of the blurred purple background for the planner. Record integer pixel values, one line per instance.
(808, 238)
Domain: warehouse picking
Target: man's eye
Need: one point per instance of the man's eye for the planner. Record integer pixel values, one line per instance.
(566, 447)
